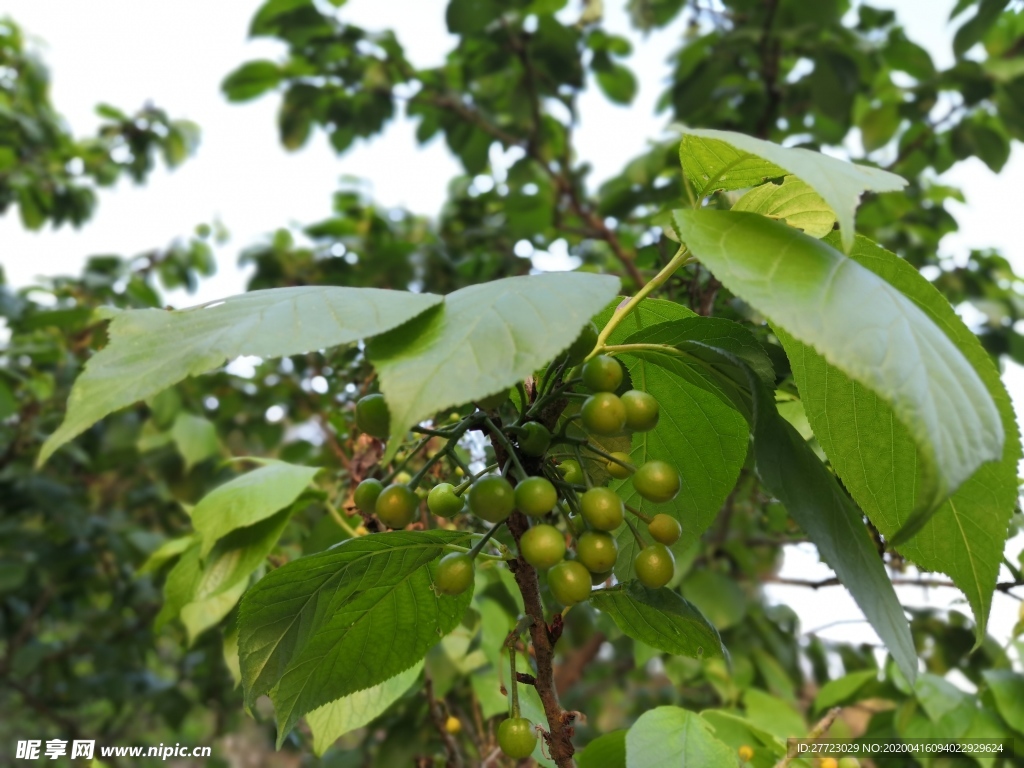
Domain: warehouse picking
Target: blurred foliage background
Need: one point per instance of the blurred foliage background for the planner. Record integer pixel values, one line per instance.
(79, 654)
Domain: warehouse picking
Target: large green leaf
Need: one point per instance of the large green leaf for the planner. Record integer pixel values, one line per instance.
(1007, 689)
(699, 433)
(331, 721)
(879, 462)
(328, 625)
(866, 328)
(792, 472)
(660, 618)
(606, 751)
(249, 498)
(195, 437)
(152, 349)
(716, 160)
(672, 736)
(483, 340)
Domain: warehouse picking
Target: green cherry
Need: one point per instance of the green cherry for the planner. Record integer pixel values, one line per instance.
(602, 374)
(571, 472)
(569, 582)
(454, 573)
(542, 546)
(641, 410)
(615, 469)
(665, 529)
(603, 414)
(491, 498)
(536, 496)
(602, 509)
(366, 493)
(372, 416)
(657, 481)
(597, 551)
(443, 501)
(396, 505)
(655, 566)
(516, 738)
(534, 438)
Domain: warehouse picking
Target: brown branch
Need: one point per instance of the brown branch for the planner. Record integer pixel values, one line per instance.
(1003, 586)
(571, 670)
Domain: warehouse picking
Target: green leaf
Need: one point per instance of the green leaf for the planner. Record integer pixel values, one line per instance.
(737, 731)
(195, 437)
(714, 160)
(166, 552)
(660, 618)
(843, 689)
(203, 590)
(695, 415)
(468, 17)
(793, 202)
(792, 472)
(864, 327)
(773, 714)
(151, 349)
(666, 736)
(879, 462)
(974, 29)
(250, 80)
(249, 498)
(482, 340)
(1007, 689)
(606, 751)
(332, 721)
(618, 83)
(328, 625)
(717, 597)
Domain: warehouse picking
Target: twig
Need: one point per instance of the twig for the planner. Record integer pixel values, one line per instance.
(438, 715)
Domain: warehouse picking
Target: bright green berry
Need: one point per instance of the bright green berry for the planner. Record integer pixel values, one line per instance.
(603, 414)
(641, 410)
(615, 469)
(597, 551)
(583, 345)
(569, 582)
(396, 505)
(366, 493)
(848, 762)
(516, 737)
(372, 416)
(571, 472)
(491, 498)
(655, 566)
(665, 529)
(443, 501)
(542, 546)
(536, 496)
(602, 374)
(657, 481)
(454, 573)
(602, 509)
(534, 438)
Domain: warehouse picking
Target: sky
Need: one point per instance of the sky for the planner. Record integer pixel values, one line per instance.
(127, 52)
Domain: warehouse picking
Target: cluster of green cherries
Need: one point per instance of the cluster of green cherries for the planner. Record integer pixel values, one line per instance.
(591, 512)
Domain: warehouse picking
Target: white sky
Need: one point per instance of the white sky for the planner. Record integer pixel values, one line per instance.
(127, 52)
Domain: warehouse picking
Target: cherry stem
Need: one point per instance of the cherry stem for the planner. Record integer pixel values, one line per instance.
(498, 435)
(655, 282)
(636, 535)
(638, 513)
(478, 547)
(583, 467)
